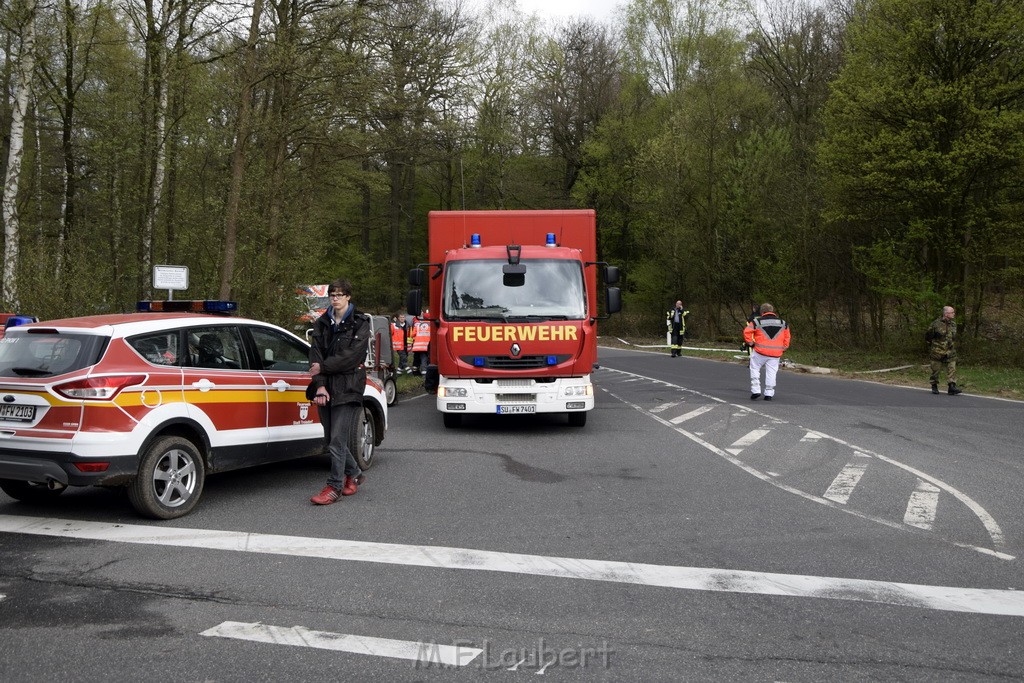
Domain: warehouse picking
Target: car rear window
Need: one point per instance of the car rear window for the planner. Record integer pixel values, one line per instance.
(45, 353)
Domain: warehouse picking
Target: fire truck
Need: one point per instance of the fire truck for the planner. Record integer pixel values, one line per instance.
(515, 302)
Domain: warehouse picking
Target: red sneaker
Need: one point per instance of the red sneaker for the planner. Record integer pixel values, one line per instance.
(351, 485)
(327, 496)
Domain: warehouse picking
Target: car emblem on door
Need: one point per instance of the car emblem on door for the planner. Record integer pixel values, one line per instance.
(303, 411)
(515, 349)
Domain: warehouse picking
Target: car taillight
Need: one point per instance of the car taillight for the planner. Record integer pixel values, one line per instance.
(98, 388)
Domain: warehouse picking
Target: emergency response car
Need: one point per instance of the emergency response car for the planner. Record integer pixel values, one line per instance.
(155, 402)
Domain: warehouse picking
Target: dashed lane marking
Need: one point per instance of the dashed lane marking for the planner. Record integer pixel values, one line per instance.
(921, 507)
(992, 527)
(690, 415)
(298, 636)
(665, 406)
(747, 440)
(944, 598)
(842, 486)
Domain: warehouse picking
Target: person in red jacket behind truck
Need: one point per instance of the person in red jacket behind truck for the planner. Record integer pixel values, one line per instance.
(768, 337)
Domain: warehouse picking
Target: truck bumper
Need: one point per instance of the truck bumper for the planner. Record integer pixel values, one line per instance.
(515, 396)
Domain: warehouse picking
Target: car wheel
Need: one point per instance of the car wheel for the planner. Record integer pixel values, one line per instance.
(170, 479)
(362, 437)
(577, 419)
(451, 420)
(390, 391)
(29, 491)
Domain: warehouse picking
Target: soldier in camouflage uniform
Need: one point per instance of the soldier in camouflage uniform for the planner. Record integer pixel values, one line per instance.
(941, 338)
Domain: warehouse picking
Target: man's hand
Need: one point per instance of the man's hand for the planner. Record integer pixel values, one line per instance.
(322, 397)
(314, 369)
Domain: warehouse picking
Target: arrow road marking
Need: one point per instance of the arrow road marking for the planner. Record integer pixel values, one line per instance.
(428, 653)
(922, 505)
(946, 598)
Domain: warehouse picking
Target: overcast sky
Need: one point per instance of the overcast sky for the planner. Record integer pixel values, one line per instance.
(599, 9)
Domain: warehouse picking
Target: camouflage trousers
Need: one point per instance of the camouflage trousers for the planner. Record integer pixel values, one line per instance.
(950, 364)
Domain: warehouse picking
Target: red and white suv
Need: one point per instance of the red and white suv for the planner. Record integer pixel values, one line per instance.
(155, 402)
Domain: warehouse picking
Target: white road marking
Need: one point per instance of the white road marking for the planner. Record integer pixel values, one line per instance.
(922, 506)
(692, 414)
(992, 527)
(428, 653)
(946, 598)
(842, 486)
(747, 440)
(811, 436)
(665, 406)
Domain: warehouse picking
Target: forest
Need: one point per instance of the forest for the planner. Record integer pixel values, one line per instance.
(858, 163)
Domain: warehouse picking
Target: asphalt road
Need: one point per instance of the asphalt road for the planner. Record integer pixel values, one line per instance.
(846, 530)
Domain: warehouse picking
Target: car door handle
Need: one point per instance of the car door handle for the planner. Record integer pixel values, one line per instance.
(203, 385)
(281, 385)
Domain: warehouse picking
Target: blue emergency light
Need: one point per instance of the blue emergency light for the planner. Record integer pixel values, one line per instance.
(479, 362)
(552, 360)
(214, 306)
(550, 240)
(474, 240)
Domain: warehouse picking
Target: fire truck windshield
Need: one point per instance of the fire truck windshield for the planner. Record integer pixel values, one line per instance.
(552, 289)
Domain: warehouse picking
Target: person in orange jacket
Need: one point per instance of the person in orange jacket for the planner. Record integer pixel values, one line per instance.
(420, 346)
(768, 337)
(398, 343)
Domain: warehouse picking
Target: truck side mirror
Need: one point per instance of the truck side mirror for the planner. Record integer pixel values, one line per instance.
(613, 300)
(416, 277)
(611, 275)
(414, 302)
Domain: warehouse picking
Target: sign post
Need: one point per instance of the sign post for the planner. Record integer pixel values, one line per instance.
(170, 278)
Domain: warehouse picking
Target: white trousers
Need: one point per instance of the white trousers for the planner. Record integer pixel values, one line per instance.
(771, 368)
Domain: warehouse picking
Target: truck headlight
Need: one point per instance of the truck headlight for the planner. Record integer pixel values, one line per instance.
(452, 392)
(585, 390)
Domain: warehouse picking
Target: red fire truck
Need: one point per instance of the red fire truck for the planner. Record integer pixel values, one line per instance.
(514, 296)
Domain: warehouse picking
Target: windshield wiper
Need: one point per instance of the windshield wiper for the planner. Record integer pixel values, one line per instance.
(31, 372)
(525, 318)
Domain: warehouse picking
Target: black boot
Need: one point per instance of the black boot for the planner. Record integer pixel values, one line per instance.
(953, 390)
(935, 387)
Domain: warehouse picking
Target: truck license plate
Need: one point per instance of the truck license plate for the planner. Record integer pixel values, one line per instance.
(17, 413)
(509, 410)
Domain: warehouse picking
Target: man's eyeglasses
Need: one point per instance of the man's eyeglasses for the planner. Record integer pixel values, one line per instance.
(337, 295)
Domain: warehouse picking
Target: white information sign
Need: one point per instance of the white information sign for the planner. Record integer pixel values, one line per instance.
(170, 277)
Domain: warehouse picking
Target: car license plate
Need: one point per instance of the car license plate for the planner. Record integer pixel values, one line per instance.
(510, 410)
(16, 413)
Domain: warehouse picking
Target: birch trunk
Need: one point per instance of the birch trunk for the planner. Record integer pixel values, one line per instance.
(26, 65)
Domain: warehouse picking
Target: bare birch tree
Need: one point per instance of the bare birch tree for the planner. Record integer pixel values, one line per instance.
(22, 92)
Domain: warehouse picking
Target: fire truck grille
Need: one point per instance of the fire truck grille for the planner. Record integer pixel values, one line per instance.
(509, 383)
(515, 398)
(521, 363)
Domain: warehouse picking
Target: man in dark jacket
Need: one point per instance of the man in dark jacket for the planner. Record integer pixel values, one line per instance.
(340, 341)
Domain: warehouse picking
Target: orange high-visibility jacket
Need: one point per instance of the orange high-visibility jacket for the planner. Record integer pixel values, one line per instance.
(768, 333)
(397, 338)
(410, 333)
(422, 340)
